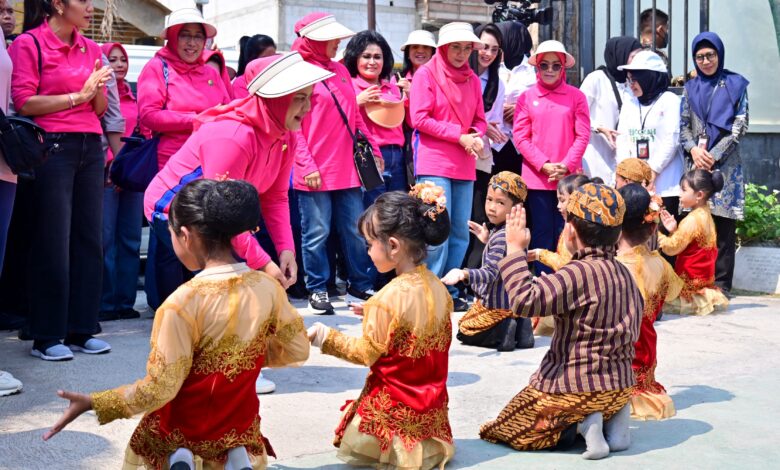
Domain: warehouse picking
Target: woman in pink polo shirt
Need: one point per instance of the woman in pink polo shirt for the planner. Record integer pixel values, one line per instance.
(192, 87)
(59, 81)
(251, 48)
(447, 114)
(324, 175)
(551, 131)
(369, 60)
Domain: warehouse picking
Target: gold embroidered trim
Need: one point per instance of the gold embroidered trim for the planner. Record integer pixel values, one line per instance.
(363, 350)
(230, 356)
(109, 406)
(384, 420)
(694, 285)
(437, 337)
(645, 381)
(166, 380)
(205, 286)
(289, 331)
(149, 442)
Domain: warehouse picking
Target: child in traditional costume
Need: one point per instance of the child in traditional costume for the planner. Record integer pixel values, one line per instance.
(400, 419)
(694, 244)
(657, 282)
(584, 383)
(633, 170)
(543, 326)
(490, 322)
(209, 341)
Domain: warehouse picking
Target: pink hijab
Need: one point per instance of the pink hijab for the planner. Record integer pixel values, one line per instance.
(171, 55)
(223, 73)
(121, 85)
(314, 52)
(266, 115)
(561, 79)
(455, 83)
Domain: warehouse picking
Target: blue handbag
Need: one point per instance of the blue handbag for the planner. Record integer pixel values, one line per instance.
(135, 165)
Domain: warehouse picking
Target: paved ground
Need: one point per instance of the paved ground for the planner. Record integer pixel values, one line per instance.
(721, 371)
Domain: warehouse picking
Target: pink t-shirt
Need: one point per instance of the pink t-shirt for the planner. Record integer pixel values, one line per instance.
(382, 135)
(323, 144)
(438, 152)
(65, 69)
(239, 87)
(188, 94)
(551, 126)
(6, 68)
(231, 149)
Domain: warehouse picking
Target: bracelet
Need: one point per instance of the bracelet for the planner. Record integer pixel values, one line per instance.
(70, 101)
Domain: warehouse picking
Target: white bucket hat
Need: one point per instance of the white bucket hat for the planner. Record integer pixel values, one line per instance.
(325, 29)
(458, 32)
(184, 16)
(552, 46)
(420, 37)
(646, 60)
(287, 74)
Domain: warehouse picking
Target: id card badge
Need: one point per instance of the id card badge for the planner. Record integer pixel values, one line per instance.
(703, 142)
(643, 149)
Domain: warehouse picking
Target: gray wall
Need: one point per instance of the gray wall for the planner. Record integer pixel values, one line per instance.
(760, 156)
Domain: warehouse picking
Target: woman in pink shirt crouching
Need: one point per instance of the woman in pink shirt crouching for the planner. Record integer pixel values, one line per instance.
(551, 132)
(58, 79)
(449, 120)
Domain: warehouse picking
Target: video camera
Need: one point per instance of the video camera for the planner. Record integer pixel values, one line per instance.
(522, 12)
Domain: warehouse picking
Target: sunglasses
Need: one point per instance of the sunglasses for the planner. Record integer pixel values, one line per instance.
(710, 56)
(545, 66)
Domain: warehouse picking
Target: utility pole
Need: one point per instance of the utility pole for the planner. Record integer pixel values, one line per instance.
(372, 15)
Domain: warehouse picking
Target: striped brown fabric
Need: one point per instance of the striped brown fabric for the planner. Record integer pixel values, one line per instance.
(597, 310)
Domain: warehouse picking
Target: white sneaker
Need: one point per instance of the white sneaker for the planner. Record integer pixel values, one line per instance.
(9, 384)
(263, 385)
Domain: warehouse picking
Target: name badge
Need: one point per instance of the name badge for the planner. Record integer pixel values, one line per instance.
(643, 149)
(703, 142)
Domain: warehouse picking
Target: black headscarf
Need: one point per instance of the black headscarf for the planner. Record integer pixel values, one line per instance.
(653, 84)
(491, 89)
(616, 53)
(517, 42)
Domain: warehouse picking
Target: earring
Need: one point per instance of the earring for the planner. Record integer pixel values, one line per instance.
(59, 12)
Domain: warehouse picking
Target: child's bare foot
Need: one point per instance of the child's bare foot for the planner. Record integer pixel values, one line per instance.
(616, 430)
(592, 430)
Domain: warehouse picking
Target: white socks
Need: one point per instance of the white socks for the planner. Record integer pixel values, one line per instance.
(182, 455)
(592, 430)
(616, 430)
(238, 459)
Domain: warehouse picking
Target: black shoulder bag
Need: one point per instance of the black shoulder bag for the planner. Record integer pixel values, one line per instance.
(22, 141)
(363, 154)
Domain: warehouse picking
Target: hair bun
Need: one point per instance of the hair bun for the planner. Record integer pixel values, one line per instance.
(717, 181)
(435, 224)
(231, 207)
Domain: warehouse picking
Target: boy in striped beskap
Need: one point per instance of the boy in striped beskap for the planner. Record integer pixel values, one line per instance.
(584, 382)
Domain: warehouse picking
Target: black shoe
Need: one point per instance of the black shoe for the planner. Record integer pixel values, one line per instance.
(362, 295)
(460, 305)
(320, 303)
(508, 343)
(525, 334)
(108, 315)
(298, 291)
(129, 313)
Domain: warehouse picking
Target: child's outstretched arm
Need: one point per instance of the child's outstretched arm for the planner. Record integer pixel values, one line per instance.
(679, 239)
(289, 345)
(364, 350)
(495, 251)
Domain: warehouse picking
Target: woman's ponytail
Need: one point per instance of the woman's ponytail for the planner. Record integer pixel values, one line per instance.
(35, 11)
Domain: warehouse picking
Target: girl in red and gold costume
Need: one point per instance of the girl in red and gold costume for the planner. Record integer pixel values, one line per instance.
(658, 283)
(209, 341)
(694, 244)
(400, 419)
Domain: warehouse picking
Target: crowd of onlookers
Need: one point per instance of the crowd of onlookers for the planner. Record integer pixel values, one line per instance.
(464, 107)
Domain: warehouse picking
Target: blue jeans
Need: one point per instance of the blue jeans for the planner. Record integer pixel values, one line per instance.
(321, 210)
(450, 254)
(66, 260)
(7, 194)
(122, 216)
(394, 174)
(164, 271)
(545, 222)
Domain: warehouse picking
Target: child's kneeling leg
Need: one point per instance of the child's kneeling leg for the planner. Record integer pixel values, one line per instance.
(182, 459)
(591, 428)
(616, 430)
(238, 459)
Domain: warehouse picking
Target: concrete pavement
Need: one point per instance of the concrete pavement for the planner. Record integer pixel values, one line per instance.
(721, 371)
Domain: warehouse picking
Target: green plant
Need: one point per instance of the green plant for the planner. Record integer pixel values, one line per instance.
(762, 216)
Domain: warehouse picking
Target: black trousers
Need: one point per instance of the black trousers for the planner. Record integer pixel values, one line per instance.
(507, 159)
(727, 246)
(508, 334)
(473, 257)
(65, 269)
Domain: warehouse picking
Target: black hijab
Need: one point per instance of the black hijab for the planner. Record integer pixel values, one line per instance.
(517, 42)
(616, 53)
(653, 84)
(490, 92)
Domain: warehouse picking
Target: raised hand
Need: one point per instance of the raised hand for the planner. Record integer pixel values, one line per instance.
(96, 80)
(368, 95)
(518, 236)
(480, 231)
(79, 404)
(668, 220)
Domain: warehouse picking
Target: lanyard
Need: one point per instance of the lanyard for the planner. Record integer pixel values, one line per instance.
(709, 101)
(642, 121)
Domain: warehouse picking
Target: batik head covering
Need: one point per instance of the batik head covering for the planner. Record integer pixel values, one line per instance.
(635, 170)
(597, 203)
(510, 183)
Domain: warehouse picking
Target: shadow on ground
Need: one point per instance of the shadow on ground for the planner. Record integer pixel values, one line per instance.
(689, 395)
(68, 448)
(647, 436)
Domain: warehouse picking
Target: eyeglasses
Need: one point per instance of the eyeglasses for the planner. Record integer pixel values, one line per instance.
(457, 48)
(545, 66)
(188, 38)
(710, 56)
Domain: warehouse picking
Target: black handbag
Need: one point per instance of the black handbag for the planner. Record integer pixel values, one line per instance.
(363, 153)
(135, 166)
(23, 143)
